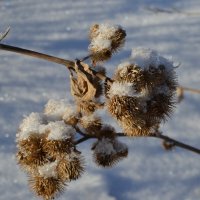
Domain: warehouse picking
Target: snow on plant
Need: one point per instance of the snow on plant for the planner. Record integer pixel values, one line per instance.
(139, 96)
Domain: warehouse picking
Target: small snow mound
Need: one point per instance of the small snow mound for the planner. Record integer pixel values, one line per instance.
(56, 109)
(32, 124)
(122, 89)
(59, 131)
(146, 57)
(100, 44)
(107, 30)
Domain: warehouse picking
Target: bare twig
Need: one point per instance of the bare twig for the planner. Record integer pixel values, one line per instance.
(4, 34)
(190, 89)
(160, 136)
(178, 144)
(67, 63)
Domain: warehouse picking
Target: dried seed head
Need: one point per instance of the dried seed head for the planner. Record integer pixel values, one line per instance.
(107, 152)
(105, 40)
(130, 73)
(71, 166)
(130, 114)
(31, 152)
(58, 148)
(100, 50)
(142, 94)
(47, 188)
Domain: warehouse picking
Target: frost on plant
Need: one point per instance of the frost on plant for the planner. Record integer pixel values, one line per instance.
(139, 96)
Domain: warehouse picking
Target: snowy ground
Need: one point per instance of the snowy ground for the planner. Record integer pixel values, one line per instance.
(60, 28)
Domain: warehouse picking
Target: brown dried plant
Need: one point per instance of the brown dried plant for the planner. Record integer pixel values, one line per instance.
(140, 96)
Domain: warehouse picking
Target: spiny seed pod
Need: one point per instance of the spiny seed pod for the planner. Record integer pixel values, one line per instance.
(130, 73)
(47, 188)
(31, 152)
(105, 40)
(130, 113)
(142, 93)
(107, 152)
(59, 140)
(70, 167)
(58, 148)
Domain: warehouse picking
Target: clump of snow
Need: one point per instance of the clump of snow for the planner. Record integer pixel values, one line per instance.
(107, 30)
(88, 118)
(70, 111)
(59, 131)
(122, 89)
(56, 109)
(105, 146)
(100, 44)
(146, 57)
(123, 65)
(48, 170)
(32, 124)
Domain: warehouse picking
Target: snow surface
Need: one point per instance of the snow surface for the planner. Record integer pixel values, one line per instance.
(61, 29)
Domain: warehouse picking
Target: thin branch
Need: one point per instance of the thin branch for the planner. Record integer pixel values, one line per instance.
(190, 89)
(83, 139)
(4, 34)
(178, 144)
(67, 63)
(160, 136)
(35, 54)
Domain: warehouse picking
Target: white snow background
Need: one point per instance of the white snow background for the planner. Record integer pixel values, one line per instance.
(60, 28)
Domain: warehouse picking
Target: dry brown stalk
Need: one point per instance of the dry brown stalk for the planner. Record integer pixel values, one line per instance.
(159, 136)
(189, 89)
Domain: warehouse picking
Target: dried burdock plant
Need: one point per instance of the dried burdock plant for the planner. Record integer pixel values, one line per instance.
(140, 96)
(46, 187)
(105, 40)
(107, 152)
(71, 166)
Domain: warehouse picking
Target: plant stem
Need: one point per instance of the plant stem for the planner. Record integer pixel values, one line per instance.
(190, 89)
(178, 144)
(160, 136)
(35, 54)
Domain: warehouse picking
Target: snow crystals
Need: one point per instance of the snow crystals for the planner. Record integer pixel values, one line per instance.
(146, 57)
